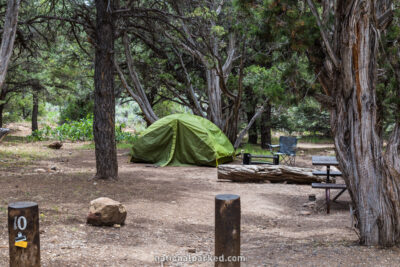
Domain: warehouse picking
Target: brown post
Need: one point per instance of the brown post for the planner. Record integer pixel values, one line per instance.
(23, 230)
(227, 230)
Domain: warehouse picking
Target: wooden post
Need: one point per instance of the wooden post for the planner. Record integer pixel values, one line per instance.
(23, 230)
(227, 230)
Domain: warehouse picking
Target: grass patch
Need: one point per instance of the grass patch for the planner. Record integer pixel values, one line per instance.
(15, 139)
(24, 153)
(315, 139)
(253, 149)
(91, 146)
(18, 155)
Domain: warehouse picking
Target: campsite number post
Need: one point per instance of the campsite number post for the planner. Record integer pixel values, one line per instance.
(227, 230)
(23, 230)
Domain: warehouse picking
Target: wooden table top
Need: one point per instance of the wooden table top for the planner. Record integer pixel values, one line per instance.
(325, 160)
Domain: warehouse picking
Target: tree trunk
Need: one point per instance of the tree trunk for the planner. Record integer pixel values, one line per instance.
(7, 41)
(1, 115)
(253, 133)
(214, 97)
(373, 178)
(104, 99)
(35, 110)
(266, 127)
(3, 94)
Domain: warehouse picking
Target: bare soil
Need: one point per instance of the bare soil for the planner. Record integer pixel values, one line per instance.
(171, 212)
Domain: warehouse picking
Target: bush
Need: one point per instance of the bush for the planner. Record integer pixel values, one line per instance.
(81, 130)
(76, 110)
(306, 118)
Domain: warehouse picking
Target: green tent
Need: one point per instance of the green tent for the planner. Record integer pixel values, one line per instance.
(183, 139)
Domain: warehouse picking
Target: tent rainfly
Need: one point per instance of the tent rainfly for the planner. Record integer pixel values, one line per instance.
(180, 140)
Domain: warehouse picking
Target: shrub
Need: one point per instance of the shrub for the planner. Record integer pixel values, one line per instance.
(76, 110)
(81, 130)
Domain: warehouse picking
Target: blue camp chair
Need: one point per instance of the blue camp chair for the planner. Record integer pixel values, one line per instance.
(286, 149)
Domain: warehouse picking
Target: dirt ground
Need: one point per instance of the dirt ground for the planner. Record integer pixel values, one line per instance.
(171, 213)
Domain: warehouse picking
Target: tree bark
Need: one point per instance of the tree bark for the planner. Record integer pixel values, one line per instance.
(35, 109)
(250, 101)
(253, 133)
(266, 127)
(372, 176)
(104, 99)
(8, 38)
(1, 115)
(3, 94)
(273, 173)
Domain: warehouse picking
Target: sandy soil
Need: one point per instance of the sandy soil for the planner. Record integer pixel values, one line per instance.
(171, 212)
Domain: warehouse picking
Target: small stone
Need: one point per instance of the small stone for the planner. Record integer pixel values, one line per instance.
(70, 153)
(53, 168)
(192, 250)
(94, 183)
(40, 170)
(117, 226)
(305, 212)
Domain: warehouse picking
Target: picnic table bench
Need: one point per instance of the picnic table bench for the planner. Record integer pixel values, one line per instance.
(327, 161)
(331, 186)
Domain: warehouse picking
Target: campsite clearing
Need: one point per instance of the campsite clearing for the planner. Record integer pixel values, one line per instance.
(171, 212)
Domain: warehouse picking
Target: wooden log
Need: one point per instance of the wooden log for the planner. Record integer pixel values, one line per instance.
(272, 173)
(23, 230)
(227, 230)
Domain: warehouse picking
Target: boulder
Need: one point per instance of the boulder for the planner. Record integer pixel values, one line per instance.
(104, 211)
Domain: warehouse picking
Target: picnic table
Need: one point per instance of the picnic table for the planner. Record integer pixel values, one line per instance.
(327, 161)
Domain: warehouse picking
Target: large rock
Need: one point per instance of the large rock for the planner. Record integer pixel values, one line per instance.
(106, 212)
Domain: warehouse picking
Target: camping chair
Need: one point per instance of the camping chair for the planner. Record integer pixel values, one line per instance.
(287, 149)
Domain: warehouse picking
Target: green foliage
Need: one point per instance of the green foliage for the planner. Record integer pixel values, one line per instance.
(264, 82)
(307, 118)
(166, 108)
(218, 30)
(77, 109)
(81, 130)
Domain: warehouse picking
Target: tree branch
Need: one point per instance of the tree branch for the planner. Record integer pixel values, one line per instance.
(253, 119)
(141, 104)
(328, 46)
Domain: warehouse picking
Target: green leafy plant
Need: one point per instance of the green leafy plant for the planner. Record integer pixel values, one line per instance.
(81, 130)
